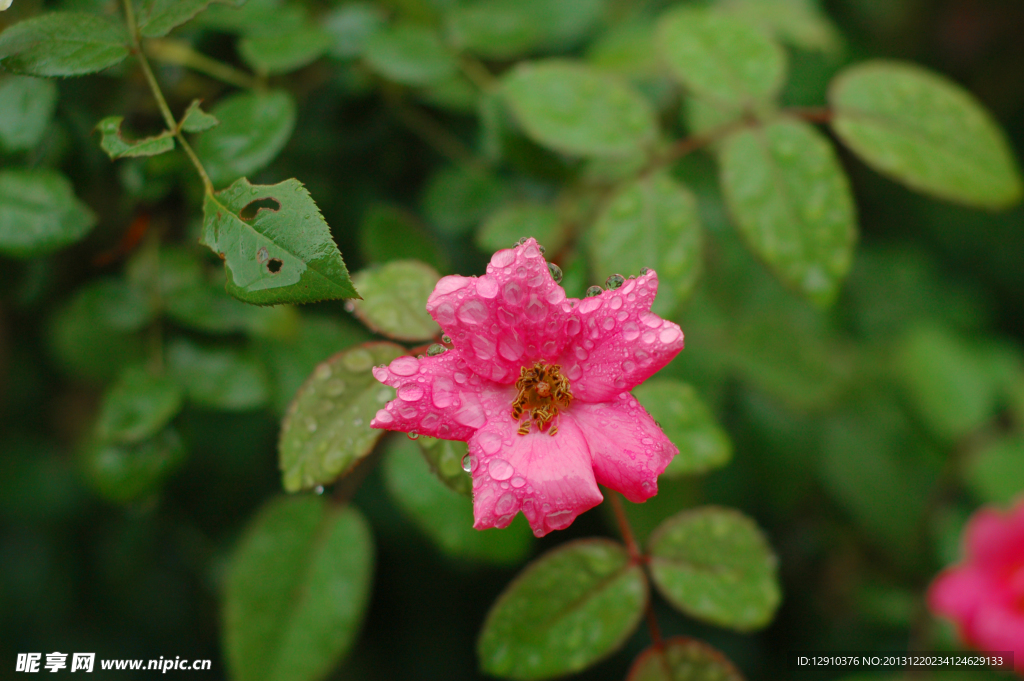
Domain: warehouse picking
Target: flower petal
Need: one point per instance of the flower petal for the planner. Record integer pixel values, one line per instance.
(958, 593)
(508, 318)
(998, 628)
(548, 477)
(617, 342)
(439, 396)
(627, 447)
(994, 539)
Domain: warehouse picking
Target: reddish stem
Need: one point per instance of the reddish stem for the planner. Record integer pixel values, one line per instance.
(638, 558)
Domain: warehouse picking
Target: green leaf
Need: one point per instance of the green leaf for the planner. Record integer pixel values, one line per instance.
(720, 57)
(568, 609)
(683, 659)
(926, 132)
(197, 120)
(996, 473)
(790, 198)
(411, 55)
(284, 51)
(946, 383)
(444, 458)
(156, 18)
(575, 109)
(275, 244)
(297, 590)
(350, 27)
(800, 23)
(390, 233)
(445, 516)
(137, 406)
(327, 429)
(27, 110)
(688, 423)
(218, 378)
(515, 221)
(254, 128)
(715, 565)
(501, 29)
(126, 472)
(118, 147)
(457, 198)
(39, 213)
(63, 44)
(653, 223)
(394, 302)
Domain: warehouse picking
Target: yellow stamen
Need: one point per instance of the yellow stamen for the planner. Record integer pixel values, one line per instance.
(543, 390)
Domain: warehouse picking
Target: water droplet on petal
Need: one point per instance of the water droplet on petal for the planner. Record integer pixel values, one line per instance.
(410, 392)
(490, 443)
(445, 338)
(670, 334)
(413, 435)
(404, 366)
(559, 520)
(518, 482)
(487, 287)
(615, 281)
(594, 291)
(556, 272)
(505, 504)
(468, 463)
(472, 312)
(500, 469)
(436, 349)
(644, 271)
(384, 416)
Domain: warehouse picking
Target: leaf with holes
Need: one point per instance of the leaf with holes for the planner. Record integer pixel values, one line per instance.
(276, 246)
(156, 18)
(720, 57)
(653, 223)
(27, 110)
(327, 429)
(137, 406)
(926, 132)
(124, 472)
(117, 146)
(63, 44)
(575, 109)
(394, 300)
(218, 377)
(688, 423)
(568, 609)
(715, 565)
(683, 659)
(445, 516)
(39, 213)
(197, 120)
(444, 457)
(411, 55)
(789, 195)
(284, 51)
(297, 590)
(254, 127)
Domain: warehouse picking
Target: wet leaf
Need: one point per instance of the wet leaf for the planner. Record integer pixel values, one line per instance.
(575, 109)
(39, 213)
(126, 472)
(513, 222)
(63, 44)
(137, 406)
(156, 18)
(791, 200)
(117, 146)
(284, 51)
(350, 28)
(276, 246)
(715, 565)
(197, 120)
(688, 423)
(254, 127)
(444, 458)
(218, 377)
(568, 609)
(27, 110)
(653, 223)
(297, 590)
(683, 659)
(394, 300)
(327, 429)
(411, 55)
(926, 132)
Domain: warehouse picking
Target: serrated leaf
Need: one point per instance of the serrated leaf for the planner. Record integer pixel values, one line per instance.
(284, 51)
(501, 29)
(688, 423)
(568, 609)
(653, 223)
(575, 109)
(254, 128)
(394, 299)
(197, 120)
(444, 458)
(63, 44)
(390, 233)
(156, 18)
(283, 253)
(218, 377)
(350, 28)
(125, 472)
(39, 213)
(117, 146)
(327, 429)
(27, 110)
(513, 222)
(683, 659)
(996, 473)
(926, 132)
(800, 23)
(412, 55)
(445, 516)
(457, 198)
(137, 406)
(720, 57)
(297, 590)
(791, 200)
(715, 565)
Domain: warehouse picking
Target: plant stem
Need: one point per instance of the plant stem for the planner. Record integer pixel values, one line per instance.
(432, 132)
(478, 73)
(638, 558)
(181, 54)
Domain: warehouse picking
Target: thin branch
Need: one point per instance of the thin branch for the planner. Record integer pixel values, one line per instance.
(432, 132)
(624, 528)
(181, 53)
(478, 73)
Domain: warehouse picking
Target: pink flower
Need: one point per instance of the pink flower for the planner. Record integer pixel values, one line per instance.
(538, 384)
(984, 594)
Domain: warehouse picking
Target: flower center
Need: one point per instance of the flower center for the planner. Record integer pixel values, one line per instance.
(543, 390)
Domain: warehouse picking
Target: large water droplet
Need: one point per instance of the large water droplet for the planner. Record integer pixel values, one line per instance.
(413, 435)
(559, 520)
(670, 334)
(615, 281)
(410, 392)
(472, 312)
(505, 504)
(487, 287)
(594, 291)
(490, 443)
(556, 272)
(384, 417)
(436, 349)
(319, 489)
(405, 366)
(445, 338)
(468, 463)
(518, 482)
(500, 469)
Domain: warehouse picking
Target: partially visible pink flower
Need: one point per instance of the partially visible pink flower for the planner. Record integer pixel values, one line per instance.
(538, 384)
(984, 594)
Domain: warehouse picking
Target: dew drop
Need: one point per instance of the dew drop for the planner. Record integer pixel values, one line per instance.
(410, 392)
(319, 489)
(404, 366)
(445, 338)
(384, 417)
(359, 360)
(594, 291)
(311, 424)
(323, 372)
(644, 271)
(472, 312)
(500, 469)
(559, 520)
(517, 482)
(413, 435)
(468, 463)
(436, 349)
(490, 443)
(615, 281)
(670, 334)
(607, 323)
(505, 504)
(334, 387)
